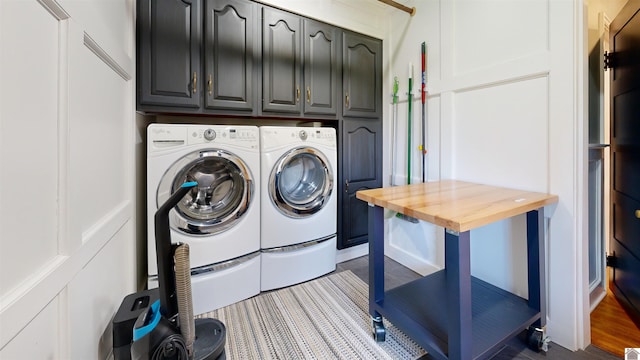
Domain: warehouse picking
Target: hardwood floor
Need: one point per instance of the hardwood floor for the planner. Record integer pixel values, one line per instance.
(611, 328)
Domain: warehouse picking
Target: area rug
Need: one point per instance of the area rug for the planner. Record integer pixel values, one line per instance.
(326, 318)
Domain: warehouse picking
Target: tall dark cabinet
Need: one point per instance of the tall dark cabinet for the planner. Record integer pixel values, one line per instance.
(361, 133)
(252, 61)
(361, 169)
(169, 37)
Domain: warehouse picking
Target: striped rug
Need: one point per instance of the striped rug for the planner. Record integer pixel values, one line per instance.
(326, 318)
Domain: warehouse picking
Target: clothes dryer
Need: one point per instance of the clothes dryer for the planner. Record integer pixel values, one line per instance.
(220, 218)
(299, 204)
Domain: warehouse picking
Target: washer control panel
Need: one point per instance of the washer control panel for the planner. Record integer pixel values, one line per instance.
(166, 136)
(226, 135)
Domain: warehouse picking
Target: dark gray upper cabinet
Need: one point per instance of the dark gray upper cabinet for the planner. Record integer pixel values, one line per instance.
(361, 169)
(300, 68)
(281, 61)
(361, 69)
(222, 57)
(169, 38)
(230, 40)
(320, 68)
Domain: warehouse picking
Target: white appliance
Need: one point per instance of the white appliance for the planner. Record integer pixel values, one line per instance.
(299, 204)
(220, 218)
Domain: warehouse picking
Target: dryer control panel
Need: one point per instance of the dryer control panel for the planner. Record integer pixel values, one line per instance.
(278, 136)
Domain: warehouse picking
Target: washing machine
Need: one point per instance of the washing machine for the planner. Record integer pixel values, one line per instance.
(299, 204)
(220, 218)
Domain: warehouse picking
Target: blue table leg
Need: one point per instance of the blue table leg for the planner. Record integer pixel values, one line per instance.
(376, 258)
(536, 268)
(458, 275)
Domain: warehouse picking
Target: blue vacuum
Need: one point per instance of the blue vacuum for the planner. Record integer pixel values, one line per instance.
(164, 326)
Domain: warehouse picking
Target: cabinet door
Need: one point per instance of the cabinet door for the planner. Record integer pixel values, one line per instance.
(169, 53)
(281, 57)
(229, 54)
(320, 68)
(362, 75)
(361, 170)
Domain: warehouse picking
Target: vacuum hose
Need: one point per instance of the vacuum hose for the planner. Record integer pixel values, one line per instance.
(183, 292)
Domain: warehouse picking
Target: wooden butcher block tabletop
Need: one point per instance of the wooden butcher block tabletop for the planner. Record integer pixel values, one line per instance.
(456, 205)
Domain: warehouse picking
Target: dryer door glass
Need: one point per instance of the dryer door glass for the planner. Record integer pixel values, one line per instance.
(301, 182)
(223, 194)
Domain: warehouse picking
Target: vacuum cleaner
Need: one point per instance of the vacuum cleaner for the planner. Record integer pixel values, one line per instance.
(158, 324)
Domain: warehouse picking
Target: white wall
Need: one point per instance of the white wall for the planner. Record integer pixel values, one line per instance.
(66, 184)
(505, 108)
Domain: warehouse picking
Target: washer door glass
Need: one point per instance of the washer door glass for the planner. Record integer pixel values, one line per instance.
(301, 182)
(223, 194)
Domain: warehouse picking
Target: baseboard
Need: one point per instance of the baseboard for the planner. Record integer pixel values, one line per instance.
(596, 296)
(414, 263)
(352, 253)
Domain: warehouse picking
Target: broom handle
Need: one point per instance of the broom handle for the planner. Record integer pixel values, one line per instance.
(394, 130)
(423, 147)
(409, 125)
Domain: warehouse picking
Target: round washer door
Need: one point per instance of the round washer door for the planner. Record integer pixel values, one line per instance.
(301, 182)
(223, 195)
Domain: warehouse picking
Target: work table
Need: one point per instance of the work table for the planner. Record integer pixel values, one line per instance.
(450, 313)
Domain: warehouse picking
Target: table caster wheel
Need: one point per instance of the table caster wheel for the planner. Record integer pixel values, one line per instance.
(378, 329)
(536, 340)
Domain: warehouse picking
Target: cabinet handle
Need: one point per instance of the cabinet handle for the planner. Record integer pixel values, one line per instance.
(308, 95)
(195, 82)
(637, 214)
(297, 95)
(210, 84)
(346, 185)
(346, 100)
